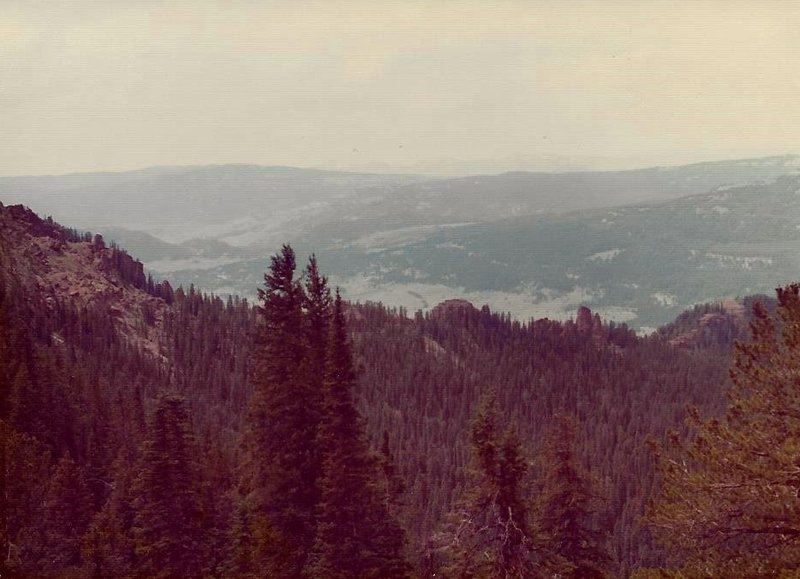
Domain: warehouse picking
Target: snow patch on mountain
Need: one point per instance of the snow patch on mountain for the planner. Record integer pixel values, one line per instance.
(607, 255)
(740, 262)
(665, 299)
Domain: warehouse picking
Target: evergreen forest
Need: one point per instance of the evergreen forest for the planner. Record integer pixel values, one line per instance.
(154, 431)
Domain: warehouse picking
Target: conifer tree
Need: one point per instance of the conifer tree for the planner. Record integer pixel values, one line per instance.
(393, 485)
(8, 345)
(317, 309)
(567, 506)
(67, 512)
(243, 533)
(730, 493)
(108, 547)
(169, 520)
(279, 491)
(24, 465)
(491, 535)
(356, 535)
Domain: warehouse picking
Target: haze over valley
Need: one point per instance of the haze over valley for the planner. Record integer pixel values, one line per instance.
(637, 246)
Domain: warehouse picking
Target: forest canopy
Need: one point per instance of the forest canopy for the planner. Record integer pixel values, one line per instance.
(729, 501)
(312, 437)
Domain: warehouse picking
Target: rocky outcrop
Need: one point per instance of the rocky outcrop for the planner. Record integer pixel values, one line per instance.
(56, 265)
(588, 323)
(720, 326)
(32, 223)
(584, 320)
(451, 307)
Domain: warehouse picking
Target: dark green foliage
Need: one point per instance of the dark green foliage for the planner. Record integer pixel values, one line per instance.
(67, 512)
(393, 486)
(108, 545)
(279, 482)
(729, 500)
(423, 376)
(169, 523)
(356, 535)
(81, 391)
(317, 306)
(491, 534)
(567, 509)
(310, 484)
(243, 540)
(87, 381)
(23, 478)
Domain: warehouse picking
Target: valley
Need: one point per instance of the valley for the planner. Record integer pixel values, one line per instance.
(638, 246)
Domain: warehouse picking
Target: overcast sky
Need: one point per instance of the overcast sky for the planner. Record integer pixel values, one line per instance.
(423, 86)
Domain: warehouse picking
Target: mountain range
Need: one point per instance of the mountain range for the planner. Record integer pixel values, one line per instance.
(638, 246)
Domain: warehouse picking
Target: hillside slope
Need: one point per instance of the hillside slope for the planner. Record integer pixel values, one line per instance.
(93, 343)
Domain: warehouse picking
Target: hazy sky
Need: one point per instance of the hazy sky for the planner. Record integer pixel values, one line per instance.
(434, 85)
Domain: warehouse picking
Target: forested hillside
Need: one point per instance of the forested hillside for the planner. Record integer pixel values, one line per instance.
(111, 379)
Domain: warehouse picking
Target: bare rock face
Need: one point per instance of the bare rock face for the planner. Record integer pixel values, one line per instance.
(98, 242)
(34, 224)
(54, 267)
(451, 307)
(584, 320)
(590, 324)
(732, 318)
(735, 309)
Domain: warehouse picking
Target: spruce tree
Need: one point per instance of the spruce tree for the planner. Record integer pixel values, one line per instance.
(567, 507)
(491, 535)
(108, 546)
(317, 310)
(317, 313)
(356, 535)
(169, 522)
(278, 493)
(67, 513)
(9, 343)
(24, 466)
(393, 484)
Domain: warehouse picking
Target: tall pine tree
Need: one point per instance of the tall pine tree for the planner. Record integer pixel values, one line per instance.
(317, 309)
(567, 508)
(24, 465)
(356, 535)
(169, 521)
(276, 519)
(67, 513)
(108, 545)
(317, 313)
(491, 535)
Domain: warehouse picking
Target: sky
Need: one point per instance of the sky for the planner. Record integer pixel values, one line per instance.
(449, 87)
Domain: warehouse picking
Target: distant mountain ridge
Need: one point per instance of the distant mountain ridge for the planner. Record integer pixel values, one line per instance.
(638, 246)
(156, 200)
(230, 199)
